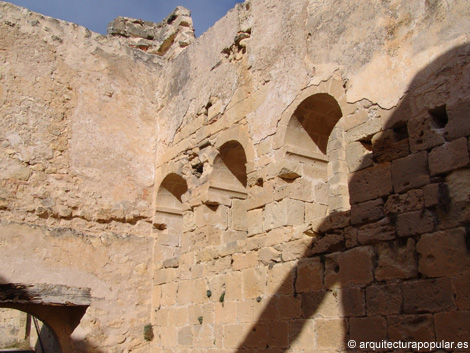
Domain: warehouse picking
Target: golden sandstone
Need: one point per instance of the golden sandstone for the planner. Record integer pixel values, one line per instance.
(294, 180)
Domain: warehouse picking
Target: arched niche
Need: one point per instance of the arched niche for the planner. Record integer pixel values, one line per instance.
(229, 177)
(313, 142)
(169, 206)
(310, 126)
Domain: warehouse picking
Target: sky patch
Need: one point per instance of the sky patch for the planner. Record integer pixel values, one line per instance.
(96, 14)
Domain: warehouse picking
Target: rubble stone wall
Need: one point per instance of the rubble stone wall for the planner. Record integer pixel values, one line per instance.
(77, 147)
(294, 179)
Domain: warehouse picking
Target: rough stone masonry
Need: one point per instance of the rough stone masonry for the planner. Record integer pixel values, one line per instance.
(296, 178)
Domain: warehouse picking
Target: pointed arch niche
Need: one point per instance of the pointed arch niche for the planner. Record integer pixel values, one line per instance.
(169, 209)
(313, 148)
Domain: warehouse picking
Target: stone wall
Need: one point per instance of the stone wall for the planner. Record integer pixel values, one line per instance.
(294, 179)
(73, 121)
(316, 204)
(77, 147)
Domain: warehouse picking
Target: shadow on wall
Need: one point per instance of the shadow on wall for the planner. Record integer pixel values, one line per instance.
(397, 266)
(59, 323)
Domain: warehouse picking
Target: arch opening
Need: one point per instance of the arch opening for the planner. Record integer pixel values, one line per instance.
(22, 331)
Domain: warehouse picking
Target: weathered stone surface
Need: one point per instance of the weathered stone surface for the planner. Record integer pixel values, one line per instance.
(358, 156)
(367, 329)
(370, 183)
(425, 133)
(452, 155)
(280, 279)
(114, 267)
(444, 253)
(166, 38)
(411, 201)
(326, 243)
(100, 137)
(384, 299)
(309, 275)
(396, 261)
(254, 221)
(253, 280)
(390, 144)
(431, 295)
(329, 335)
(354, 302)
(411, 328)
(285, 212)
(299, 189)
(458, 125)
(431, 195)
(374, 232)
(462, 292)
(269, 255)
(410, 172)
(453, 325)
(367, 211)
(352, 267)
(412, 223)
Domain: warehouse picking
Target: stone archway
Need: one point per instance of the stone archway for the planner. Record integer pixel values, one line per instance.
(59, 307)
(22, 332)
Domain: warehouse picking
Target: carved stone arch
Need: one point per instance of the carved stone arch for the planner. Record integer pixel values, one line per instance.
(231, 166)
(169, 208)
(310, 126)
(228, 179)
(332, 87)
(310, 144)
(239, 134)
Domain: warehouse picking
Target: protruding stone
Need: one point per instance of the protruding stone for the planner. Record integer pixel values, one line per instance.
(167, 38)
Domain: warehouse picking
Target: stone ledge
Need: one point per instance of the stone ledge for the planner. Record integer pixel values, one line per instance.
(44, 294)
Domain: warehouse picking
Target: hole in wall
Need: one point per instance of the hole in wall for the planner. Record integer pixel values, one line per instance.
(439, 115)
(366, 143)
(400, 132)
(171, 19)
(198, 169)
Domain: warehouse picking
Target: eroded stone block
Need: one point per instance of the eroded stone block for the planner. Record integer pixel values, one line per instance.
(450, 156)
(370, 183)
(410, 172)
(397, 260)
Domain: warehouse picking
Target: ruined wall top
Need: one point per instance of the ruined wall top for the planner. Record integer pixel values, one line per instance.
(167, 38)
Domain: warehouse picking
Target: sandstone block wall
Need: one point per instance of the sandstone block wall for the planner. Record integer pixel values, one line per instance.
(294, 179)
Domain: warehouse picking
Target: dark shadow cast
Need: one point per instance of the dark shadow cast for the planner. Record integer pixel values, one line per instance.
(371, 274)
